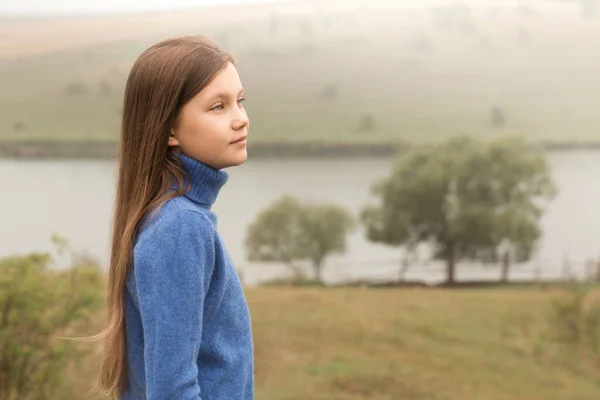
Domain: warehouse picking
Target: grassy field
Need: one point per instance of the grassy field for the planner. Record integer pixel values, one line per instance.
(413, 344)
(341, 76)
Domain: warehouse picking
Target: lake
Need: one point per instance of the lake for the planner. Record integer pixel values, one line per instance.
(74, 198)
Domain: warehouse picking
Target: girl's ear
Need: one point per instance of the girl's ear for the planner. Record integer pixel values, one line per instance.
(172, 140)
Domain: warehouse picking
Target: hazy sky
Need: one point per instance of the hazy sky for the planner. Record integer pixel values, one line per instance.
(106, 6)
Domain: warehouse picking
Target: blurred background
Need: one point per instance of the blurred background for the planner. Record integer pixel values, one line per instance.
(418, 217)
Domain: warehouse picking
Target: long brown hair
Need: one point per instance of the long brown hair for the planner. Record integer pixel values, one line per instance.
(162, 80)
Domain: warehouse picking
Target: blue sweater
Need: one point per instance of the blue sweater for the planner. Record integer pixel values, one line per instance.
(187, 322)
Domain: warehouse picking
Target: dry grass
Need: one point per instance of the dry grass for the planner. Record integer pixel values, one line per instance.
(407, 344)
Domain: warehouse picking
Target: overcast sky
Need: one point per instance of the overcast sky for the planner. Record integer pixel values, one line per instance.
(106, 6)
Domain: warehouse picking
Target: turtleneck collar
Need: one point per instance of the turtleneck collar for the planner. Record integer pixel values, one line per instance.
(206, 181)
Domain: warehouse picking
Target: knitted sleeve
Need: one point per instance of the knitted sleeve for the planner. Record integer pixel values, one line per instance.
(173, 262)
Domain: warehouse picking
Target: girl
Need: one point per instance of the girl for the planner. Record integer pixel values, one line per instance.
(178, 322)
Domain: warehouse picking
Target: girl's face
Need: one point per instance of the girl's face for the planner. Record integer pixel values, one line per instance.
(213, 125)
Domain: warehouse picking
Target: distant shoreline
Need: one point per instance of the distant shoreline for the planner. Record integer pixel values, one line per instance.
(108, 150)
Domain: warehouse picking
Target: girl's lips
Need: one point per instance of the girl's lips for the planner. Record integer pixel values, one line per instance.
(240, 140)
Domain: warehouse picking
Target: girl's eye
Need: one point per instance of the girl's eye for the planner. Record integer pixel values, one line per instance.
(219, 107)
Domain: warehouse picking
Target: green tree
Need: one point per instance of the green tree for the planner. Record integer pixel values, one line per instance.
(323, 230)
(469, 200)
(37, 304)
(521, 186)
(273, 236)
(288, 231)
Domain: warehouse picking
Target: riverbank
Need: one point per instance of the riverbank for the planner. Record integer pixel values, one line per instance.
(88, 149)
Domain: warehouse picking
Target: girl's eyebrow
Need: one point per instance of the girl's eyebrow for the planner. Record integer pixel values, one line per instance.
(224, 95)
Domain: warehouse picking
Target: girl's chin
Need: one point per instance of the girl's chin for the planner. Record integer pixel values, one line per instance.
(238, 159)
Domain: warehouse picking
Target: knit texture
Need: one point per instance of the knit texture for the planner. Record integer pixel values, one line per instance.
(187, 322)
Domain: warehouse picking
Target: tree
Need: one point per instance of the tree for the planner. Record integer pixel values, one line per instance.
(498, 116)
(323, 230)
(37, 303)
(288, 231)
(523, 186)
(465, 198)
(366, 123)
(273, 236)
(329, 92)
(18, 126)
(75, 88)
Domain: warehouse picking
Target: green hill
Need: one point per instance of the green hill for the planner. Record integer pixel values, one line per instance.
(356, 77)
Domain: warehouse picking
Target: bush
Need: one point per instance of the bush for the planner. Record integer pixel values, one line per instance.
(366, 123)
(75, 88)
(330, 92)
(498, 116)
(575, 319)
(300, 281)
(104, 87)
(37, 304)
(18, 126)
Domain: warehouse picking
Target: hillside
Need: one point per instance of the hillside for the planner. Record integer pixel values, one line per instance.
(337, 75)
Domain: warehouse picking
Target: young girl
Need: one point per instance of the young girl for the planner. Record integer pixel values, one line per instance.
(178, 322)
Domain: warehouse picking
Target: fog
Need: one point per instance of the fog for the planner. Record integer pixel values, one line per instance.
(60, 7)
(335, 90)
